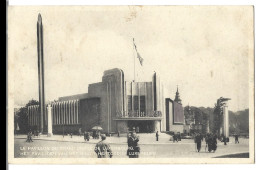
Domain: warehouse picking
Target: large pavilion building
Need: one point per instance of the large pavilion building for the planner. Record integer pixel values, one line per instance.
(115, 105)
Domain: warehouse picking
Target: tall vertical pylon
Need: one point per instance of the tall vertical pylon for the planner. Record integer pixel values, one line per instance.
(42, 108)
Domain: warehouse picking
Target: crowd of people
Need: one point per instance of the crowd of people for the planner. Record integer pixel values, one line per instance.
(210, 139)
(103, 149)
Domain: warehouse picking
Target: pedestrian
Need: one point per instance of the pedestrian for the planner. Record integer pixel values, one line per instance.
(137, 129)
(176, 137)
(133, 150)
(88, 136)
(85, 136)
(179, 137)
(103, 149)
(198, 141)
(173, 137)
(29, 136)
(118, 133)
(94, 134)
(71, 135)
(157, 136)
(37, 133)
(236, 139)
(225, 140)
(80, 132)
(207, 141)
(98, 134)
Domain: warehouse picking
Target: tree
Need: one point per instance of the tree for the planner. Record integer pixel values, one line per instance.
(22, 116)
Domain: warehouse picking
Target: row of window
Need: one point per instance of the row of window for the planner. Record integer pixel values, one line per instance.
(62, 113)
(133, 103)
(65, 112)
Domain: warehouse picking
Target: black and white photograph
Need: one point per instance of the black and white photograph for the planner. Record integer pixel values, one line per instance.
(157, 84)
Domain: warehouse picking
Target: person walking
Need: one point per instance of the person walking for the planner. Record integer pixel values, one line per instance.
(207, 141)
(157, 136)
(198, 141)
(103, 149)
(236, 139)
(29, 136)
(87, 136)
(133, 150)
(94, 134)
(176, 137)
(225, 140)
(80, 132)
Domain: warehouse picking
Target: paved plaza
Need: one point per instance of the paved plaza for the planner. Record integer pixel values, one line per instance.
(58, 146)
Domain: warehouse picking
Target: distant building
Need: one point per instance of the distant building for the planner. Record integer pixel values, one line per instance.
(174, 114)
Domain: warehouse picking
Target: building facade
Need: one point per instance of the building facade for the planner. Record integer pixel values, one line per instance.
(117, 106)
(113, 104)
(174, 114)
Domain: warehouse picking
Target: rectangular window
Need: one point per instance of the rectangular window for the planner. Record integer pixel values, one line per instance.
(142, 103)
(136, 103)
(129, 101)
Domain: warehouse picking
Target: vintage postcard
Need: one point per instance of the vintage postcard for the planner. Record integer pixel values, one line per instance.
(130, 84)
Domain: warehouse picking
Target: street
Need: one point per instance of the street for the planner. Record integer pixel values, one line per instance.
(68, 149)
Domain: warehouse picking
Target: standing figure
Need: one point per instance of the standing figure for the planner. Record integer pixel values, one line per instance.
(225, 140)
(207, 141)
(176, 137)
(29, 136)
(80, 133)
(157, 136)
(133, 147)
(236, 139)
(137, 129)
(85, 136)
(94, 134)
(98, 134)
(179, 137)
(198, 142)
(103, 149)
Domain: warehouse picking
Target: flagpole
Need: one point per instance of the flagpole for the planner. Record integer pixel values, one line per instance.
(134, 57)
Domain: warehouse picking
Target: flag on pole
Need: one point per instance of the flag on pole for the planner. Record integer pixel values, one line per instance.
(138, 55)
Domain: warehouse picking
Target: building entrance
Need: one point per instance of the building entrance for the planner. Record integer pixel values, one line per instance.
(141, 126)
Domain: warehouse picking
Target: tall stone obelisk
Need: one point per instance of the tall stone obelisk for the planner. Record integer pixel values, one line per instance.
(42, 108)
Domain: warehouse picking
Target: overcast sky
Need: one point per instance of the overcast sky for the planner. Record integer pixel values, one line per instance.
(203, 50)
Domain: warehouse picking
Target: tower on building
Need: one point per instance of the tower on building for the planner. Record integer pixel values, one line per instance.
(177, 97)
